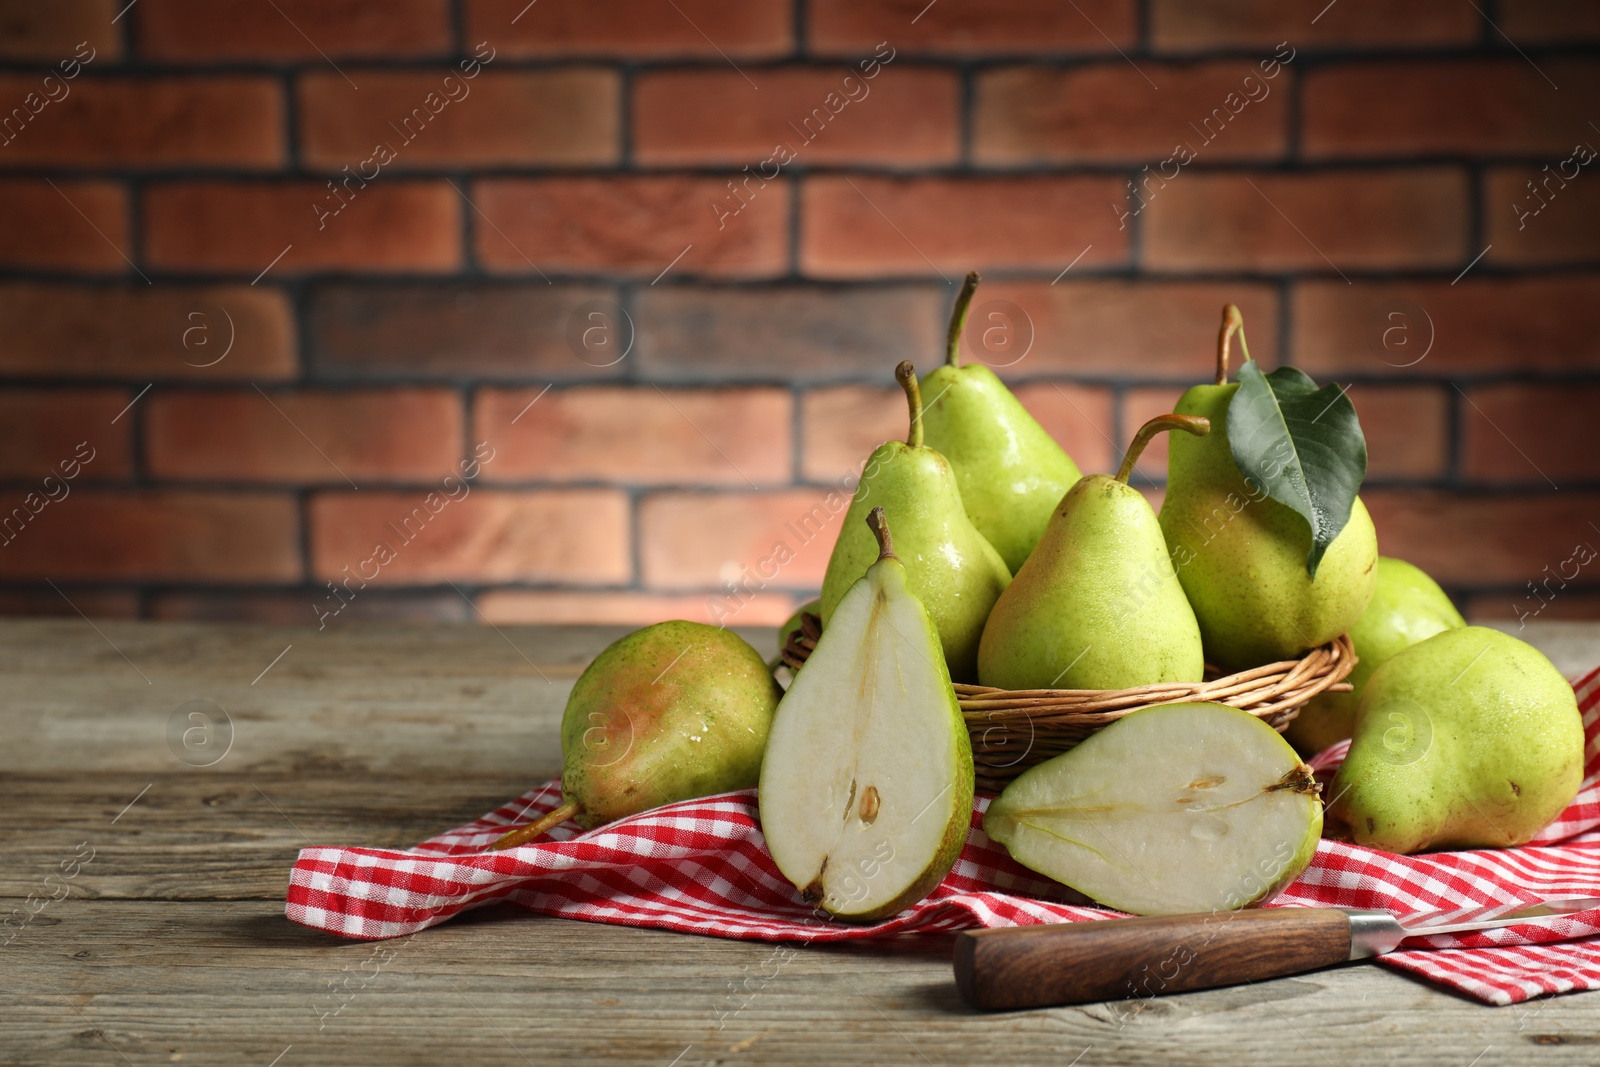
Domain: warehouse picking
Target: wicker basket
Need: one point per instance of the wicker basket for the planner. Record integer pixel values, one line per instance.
(1013, 730)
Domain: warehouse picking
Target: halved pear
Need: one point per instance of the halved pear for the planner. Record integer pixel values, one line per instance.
(866, 788)
(1172, 810)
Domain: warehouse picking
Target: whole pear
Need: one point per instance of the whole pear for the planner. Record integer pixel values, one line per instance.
(1468, 739)
(1096, 606)
(1241, 555)
(1010, 470)
(951, 568)
(671, 712)
(1407, 606)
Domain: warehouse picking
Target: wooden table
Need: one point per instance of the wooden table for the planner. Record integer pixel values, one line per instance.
(170, 944)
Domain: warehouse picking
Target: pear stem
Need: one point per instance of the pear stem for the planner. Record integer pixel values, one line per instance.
(906, 375)
(880, 530)
(1232, 322)
(958, 320)
(523, 834)
(1194, 424)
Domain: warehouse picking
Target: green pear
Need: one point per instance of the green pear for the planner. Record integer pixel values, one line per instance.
(1176, 809)
(953, 570)
(1407, 606)
(1010, 471)
(866, 792)
(1241, 555)
(671, 712)
(1097, 605)
(1469, 739)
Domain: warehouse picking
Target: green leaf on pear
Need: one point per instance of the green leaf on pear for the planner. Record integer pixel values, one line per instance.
(1302, 444)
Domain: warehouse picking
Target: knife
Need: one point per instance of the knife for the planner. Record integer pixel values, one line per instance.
(1113, 959)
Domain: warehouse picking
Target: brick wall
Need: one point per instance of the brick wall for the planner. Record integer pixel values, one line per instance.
(276, 274)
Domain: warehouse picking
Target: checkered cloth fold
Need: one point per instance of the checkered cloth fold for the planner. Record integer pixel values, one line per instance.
(702, 867)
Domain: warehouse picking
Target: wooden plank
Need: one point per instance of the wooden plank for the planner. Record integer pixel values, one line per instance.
(171, 943)
(205, 836)
(234, 982)
(357, 701)
(349, 701)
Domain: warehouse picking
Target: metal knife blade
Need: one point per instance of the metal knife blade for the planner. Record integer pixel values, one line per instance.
(1373, 933)
(1465, 920)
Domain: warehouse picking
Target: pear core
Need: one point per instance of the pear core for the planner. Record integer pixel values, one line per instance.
(866, 791)
(1221, 813)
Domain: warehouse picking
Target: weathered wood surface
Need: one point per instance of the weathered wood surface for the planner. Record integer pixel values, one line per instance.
(170, 945)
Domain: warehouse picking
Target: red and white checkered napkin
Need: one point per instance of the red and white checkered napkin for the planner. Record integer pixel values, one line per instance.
(702, 867)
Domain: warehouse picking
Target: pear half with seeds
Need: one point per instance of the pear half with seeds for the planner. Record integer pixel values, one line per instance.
(1172, 810)
(866, 788)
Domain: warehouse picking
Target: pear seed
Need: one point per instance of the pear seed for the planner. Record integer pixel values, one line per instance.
(869, 805)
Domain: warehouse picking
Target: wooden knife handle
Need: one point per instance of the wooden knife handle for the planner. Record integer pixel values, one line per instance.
(1113, 959)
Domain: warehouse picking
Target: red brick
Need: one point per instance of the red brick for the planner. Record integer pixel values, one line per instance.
(860, 227)
(565, 535)
(700, 333)
(812, 115)
(1196, 25)
(1138, 407)
(1108, 112)
(1317, 222)
(551, 608)
(211, 30)
(1481, 540)
(306, 606)
(560, 117)
(1078, 417)
(78, 225)
(303, 437)
(851, 28)
(1407, 428)
(140, 332)
(52, 32)
(222, 120)
(1530, 434)
(1139, 329)
(103, 535)
(1472, 327)
(41, 429)
(640, 28)
(637, 225)
(1556, 220)
(245, 226)
(501, 330)
(841, 425)
(763, 542)
(1548, 21)
(1480, 107)
(47, 603)
(638, 436)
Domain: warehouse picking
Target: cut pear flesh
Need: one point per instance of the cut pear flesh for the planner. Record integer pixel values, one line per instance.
(866, 788)
(1172, 810)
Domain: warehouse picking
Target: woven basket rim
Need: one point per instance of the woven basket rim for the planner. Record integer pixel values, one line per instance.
(1320, 669)
(1046, 722)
